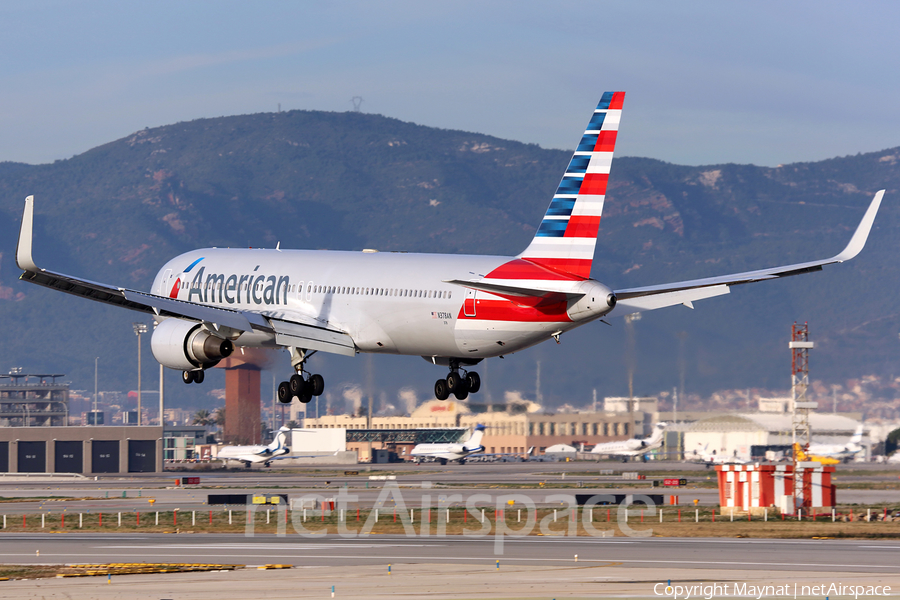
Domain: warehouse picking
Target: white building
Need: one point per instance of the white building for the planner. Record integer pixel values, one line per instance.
(734, 435)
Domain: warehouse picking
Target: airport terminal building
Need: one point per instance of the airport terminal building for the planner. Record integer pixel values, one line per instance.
(513, 430)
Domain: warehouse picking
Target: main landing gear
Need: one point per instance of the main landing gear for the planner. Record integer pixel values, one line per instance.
(298, 386)
(458, 385)
(192, 376)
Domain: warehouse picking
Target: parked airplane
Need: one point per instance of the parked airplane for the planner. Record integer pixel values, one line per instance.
(448, 452)
(250, 455)
(713, 458)
(453, 310)
(802, 456)
(634, 447)
(841, 452)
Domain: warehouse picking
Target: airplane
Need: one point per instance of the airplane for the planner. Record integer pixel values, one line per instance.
(453, 310)
(802, 456)
(712, 458)
(626, 449)
(250, 455)
(841, 452)
(447, 452)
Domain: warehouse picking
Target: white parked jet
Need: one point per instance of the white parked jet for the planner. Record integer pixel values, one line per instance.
(626, 449)
(839, 451)
(250, 455)
(713, 458)
(453, 310)
(448, 452)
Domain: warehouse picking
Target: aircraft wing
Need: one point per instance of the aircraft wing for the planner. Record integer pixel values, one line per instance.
(292, 329)
(639, 299)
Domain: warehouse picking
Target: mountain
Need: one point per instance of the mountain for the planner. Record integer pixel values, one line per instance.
(350, 181)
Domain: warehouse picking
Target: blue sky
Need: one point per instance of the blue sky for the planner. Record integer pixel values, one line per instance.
(706, 82)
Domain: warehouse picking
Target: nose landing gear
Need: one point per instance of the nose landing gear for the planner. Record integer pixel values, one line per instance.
(458, 385)
(297, 386)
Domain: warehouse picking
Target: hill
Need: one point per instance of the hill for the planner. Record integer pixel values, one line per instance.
(351, 181)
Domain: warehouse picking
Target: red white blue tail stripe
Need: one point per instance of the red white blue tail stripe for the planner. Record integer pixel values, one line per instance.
(566, 239)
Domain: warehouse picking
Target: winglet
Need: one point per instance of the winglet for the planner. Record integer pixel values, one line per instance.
(23, 249)
(858, 241)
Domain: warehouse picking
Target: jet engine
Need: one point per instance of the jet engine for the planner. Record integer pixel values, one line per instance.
(185, 345)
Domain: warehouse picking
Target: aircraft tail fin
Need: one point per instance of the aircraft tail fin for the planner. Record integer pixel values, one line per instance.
(567, 235)
(474, 442)
(658, 432)
(857, 436)
(280, 440)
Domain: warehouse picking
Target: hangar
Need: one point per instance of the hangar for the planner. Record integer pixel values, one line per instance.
(86, 450)
(735, 435)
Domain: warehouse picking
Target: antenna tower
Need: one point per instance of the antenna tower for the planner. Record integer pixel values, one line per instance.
(800, 406)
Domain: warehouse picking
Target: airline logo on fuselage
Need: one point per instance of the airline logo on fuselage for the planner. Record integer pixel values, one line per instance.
(251, 288)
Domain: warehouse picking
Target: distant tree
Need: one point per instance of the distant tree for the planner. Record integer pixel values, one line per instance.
(203, 417)
(892, 442)
(292, 425)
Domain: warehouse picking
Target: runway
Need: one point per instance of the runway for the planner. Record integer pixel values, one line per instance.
(823, 556)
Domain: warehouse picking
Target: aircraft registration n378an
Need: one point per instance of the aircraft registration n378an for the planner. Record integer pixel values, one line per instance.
(453, 310)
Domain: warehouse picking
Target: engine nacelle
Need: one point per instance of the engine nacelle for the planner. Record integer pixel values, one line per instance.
(185, 345)
(596, 302)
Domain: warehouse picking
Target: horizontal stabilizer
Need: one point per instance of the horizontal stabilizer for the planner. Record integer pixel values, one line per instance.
(518, 293)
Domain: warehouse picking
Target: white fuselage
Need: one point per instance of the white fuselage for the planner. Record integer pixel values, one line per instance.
(839, 451)
(249, 454)
(442, 451)
(387, 302)
(626, 448)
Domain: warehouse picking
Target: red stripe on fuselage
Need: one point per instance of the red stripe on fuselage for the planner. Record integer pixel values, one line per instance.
(175, 288)
(504, 310)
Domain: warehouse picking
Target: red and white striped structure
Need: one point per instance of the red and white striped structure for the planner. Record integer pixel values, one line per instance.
(567, 236)
(759, 486)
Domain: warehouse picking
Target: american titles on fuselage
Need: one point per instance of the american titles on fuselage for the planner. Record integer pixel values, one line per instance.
(262, 289)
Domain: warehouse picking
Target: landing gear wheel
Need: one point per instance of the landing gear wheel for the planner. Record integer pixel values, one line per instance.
(187, 376)
(462, 392)
(317, 383)
(297, 384)
(198, 376)
(454, 382)
(473, 381)
(441, 390)
(305, 394)
(284, 392)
